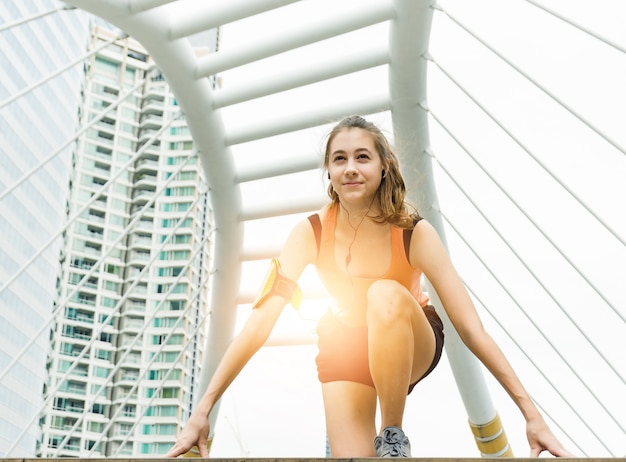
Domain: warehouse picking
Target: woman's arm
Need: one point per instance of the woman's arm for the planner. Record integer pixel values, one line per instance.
(429, 254)
(299, 250)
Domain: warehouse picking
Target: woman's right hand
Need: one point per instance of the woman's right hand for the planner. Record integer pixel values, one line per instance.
(195, 433)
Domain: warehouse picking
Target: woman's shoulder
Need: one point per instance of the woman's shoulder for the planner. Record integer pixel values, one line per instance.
(309, 226)
(425, 242)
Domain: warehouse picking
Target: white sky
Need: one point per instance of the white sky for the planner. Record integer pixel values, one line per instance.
(274, 408)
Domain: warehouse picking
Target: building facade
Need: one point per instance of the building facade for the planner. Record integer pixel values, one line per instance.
(127, 345)
(39, 102)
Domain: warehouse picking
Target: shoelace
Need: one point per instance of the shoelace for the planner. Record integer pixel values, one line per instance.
(395, 440)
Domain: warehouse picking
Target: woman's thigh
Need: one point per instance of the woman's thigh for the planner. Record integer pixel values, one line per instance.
(350, 410)
(392, 308)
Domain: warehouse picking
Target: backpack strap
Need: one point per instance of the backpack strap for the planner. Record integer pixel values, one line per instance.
(406, 236)
(316, 224)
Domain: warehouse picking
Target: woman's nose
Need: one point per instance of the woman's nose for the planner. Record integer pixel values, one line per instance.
(351, 168)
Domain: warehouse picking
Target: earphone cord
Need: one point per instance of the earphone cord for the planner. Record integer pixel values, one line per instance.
(349, 255)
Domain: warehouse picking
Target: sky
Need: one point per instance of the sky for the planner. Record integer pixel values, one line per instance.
(274, 408)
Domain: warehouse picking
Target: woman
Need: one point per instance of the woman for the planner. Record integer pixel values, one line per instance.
(381, 336)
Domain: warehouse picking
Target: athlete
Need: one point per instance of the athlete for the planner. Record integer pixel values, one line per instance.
(381, 336)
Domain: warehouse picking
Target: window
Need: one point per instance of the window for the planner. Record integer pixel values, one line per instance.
(182, 176)
(181, 146)
(162, 429)
(101, 372)
(175, 305)
(70, 349)
(170, 271)
(164, 411)
(123, 429)
(129, 74)
(167, 392)
(99, 390)
(178, 239)
(129, 411)
(95, 427)
(165, 357)
(113, 269)
(181, 191)
(166, 322)
(171, 223)
(97, 408)
(105, 65)
(89, 445)
(180, 131)
(176, 207)
(103, 354)
(175, 255)
(176, 160)
(176, 339)
(163, 374)
(155, 448)
(108, 302)
(109, 285)
(55, 441)
(105, 319)
(178, 289)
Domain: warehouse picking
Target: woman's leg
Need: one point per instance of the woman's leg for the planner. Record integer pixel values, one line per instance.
(401, 346)
(350, 409)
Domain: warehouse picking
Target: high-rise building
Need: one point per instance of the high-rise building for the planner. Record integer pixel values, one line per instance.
(39, 101)
(129, 334)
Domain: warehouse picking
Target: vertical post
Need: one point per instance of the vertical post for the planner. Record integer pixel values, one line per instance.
(409, 38)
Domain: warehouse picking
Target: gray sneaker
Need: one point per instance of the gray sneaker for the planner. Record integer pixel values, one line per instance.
(392, 443)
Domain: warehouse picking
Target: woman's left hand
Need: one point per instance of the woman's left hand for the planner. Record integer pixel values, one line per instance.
(541, 438)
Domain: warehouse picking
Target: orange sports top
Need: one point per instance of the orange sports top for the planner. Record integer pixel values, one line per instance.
(352, 291)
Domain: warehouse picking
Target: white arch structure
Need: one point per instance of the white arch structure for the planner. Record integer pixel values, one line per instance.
(162, 30)
(163, 27)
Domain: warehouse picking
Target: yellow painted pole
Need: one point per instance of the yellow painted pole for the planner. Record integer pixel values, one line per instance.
(491, 439)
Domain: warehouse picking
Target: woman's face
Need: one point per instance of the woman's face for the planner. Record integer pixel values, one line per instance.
(354, 166)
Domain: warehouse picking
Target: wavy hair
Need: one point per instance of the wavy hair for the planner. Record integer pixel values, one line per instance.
(392, 191)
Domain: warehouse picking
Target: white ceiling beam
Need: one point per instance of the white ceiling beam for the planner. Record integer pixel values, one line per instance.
(284, 167)
(306, 75)
(209, 15)
(312, 117)
(307, 33)
(264, 252)
(289, 206)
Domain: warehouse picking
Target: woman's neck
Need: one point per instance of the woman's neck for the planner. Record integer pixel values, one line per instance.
(355, 214)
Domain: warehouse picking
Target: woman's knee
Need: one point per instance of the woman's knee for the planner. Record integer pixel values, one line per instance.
(387, 301)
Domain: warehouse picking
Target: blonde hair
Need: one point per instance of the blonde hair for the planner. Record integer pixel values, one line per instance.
(392, 190)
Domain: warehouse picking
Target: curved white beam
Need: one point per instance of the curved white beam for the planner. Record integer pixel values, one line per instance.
(409, 38)
(177, 61)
